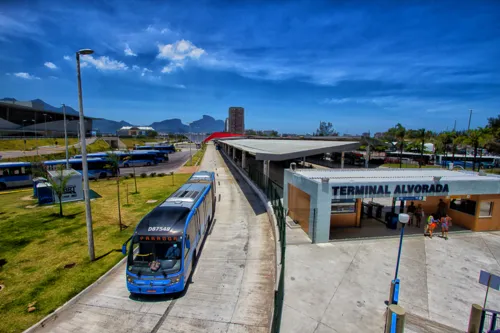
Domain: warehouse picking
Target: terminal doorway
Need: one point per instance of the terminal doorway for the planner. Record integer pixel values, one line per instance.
(299, 207)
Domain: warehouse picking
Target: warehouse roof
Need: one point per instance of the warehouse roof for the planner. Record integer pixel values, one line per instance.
(280, 150)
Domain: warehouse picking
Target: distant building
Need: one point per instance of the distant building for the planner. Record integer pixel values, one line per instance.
(269, 132)
(366, 134)
(134, 130)
(379, 135)
(226, 125)
(236, 123)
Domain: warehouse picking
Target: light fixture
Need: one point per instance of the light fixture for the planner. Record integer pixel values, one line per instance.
(403, 218)
(437, 178)
(85, 51)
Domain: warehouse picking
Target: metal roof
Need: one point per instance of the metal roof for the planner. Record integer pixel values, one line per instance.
(390, 174)
(280, 150)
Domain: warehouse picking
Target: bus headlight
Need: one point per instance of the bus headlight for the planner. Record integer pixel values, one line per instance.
(175, 279)
(130, 279)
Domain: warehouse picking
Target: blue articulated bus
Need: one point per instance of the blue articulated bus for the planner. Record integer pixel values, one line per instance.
(168, 240)
(98, 167)
(15, 174)
(166, 149)
(132, 158)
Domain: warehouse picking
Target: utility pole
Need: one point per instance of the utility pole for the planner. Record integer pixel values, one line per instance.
(470, 116)
(85, 167)
(468, 129)
(455, 126)
(66, 137)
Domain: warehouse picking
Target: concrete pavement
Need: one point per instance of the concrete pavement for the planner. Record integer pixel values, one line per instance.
(342, 286)
(233, 283)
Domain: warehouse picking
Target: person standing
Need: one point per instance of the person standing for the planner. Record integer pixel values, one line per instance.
(411, 212)
(441, 209)
(445, 224)
(419, 214)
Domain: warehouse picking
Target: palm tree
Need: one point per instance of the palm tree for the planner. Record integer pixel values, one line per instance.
(59, 184)
(477, 138)
(114, 166)
(423, 135)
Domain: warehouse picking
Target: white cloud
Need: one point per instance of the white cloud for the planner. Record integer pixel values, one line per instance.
(180, 50)
(103, 63)
(128, 51)
(135, 68)
(50, 65)
(145, 71)
(172, 67)
(67, 57)
(180, 86)
(26, 76)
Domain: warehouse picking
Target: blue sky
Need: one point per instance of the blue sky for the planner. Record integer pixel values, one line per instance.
(363, 65)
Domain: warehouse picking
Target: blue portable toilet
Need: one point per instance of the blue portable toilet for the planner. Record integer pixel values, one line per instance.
(45, 194)
(37, 181)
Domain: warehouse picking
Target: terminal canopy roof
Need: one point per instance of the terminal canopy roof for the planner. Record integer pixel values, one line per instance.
(281, 150)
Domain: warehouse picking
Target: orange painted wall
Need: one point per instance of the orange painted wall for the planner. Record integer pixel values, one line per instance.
(488, 223)
(299, 205)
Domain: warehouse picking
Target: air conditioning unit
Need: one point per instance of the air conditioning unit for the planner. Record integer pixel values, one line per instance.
(293, 166)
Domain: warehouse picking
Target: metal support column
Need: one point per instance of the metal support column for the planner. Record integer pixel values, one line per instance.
(342, 161)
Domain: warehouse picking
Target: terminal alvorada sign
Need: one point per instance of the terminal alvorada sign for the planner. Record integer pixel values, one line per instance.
(388, 190)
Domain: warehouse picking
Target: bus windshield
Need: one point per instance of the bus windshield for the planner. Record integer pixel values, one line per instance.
(155, 258)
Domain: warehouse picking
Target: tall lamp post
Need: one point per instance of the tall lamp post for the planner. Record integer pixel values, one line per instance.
(468, 129)
(36, 136)
(45, 122)
(24, 134)
(403, 219)
(65, 137)
(86, 189)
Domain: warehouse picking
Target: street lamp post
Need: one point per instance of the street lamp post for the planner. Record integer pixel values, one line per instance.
(86, 189)
(24, 134)
(65, 137)
(45, 122)
(36, 137)
(403, 219)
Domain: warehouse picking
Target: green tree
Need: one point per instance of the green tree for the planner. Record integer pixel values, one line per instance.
(250, 132)
(477, 138)
(59, 184)
(114, 165)
(152, 134)
(325, 129)
(399, 133)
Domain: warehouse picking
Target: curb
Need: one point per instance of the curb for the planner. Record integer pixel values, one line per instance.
(53, 316)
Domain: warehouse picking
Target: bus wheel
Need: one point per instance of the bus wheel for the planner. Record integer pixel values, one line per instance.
(3, 186)
(148, 164)
(102, 175)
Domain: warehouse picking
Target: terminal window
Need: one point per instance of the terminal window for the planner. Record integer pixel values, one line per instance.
(464, 206)
(485, 209)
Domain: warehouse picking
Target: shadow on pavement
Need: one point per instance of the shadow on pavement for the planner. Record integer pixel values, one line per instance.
(252, 198)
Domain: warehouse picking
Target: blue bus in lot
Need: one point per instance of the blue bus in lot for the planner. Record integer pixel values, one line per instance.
(168, 240)
(165, 149)
(15, 174)
(98, 167)
(133, 158)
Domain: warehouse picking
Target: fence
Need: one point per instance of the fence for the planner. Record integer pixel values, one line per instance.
(274, 193)
(489, 321)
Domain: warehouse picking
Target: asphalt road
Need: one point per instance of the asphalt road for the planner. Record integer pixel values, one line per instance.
(176, 160)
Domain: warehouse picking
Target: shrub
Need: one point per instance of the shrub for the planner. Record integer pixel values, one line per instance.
(161, 174)
(144, 175)
(153, 174)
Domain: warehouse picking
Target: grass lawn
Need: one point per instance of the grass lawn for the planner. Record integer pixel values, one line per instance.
(97, 146)
(409, 166)
(37, 244)
(197, 157)
(131, 142)
(18, 144)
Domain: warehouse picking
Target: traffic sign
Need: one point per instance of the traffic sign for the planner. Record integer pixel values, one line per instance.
(490, 281)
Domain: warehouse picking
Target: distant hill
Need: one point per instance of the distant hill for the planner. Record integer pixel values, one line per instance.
(206, 124)
(108, 126)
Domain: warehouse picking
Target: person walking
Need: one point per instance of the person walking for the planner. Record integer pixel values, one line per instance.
(445, 224)
(419, 214)
(430, 225)
(411, 213)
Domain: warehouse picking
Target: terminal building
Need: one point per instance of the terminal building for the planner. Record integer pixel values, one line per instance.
(35, 118)
(324, 202)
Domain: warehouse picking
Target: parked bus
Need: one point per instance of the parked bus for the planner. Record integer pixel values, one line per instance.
(485, 162)
(166, 149)
(167, 241)
(132, 158)
(97, 167)
(15, 174)
(393, 157)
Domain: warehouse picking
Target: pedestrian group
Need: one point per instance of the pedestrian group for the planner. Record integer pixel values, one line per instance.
(416, 214)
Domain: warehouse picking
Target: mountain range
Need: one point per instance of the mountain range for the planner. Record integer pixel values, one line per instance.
(206, 124)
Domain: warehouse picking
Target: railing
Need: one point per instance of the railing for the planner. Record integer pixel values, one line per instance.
(489, 321)
(274, 193)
